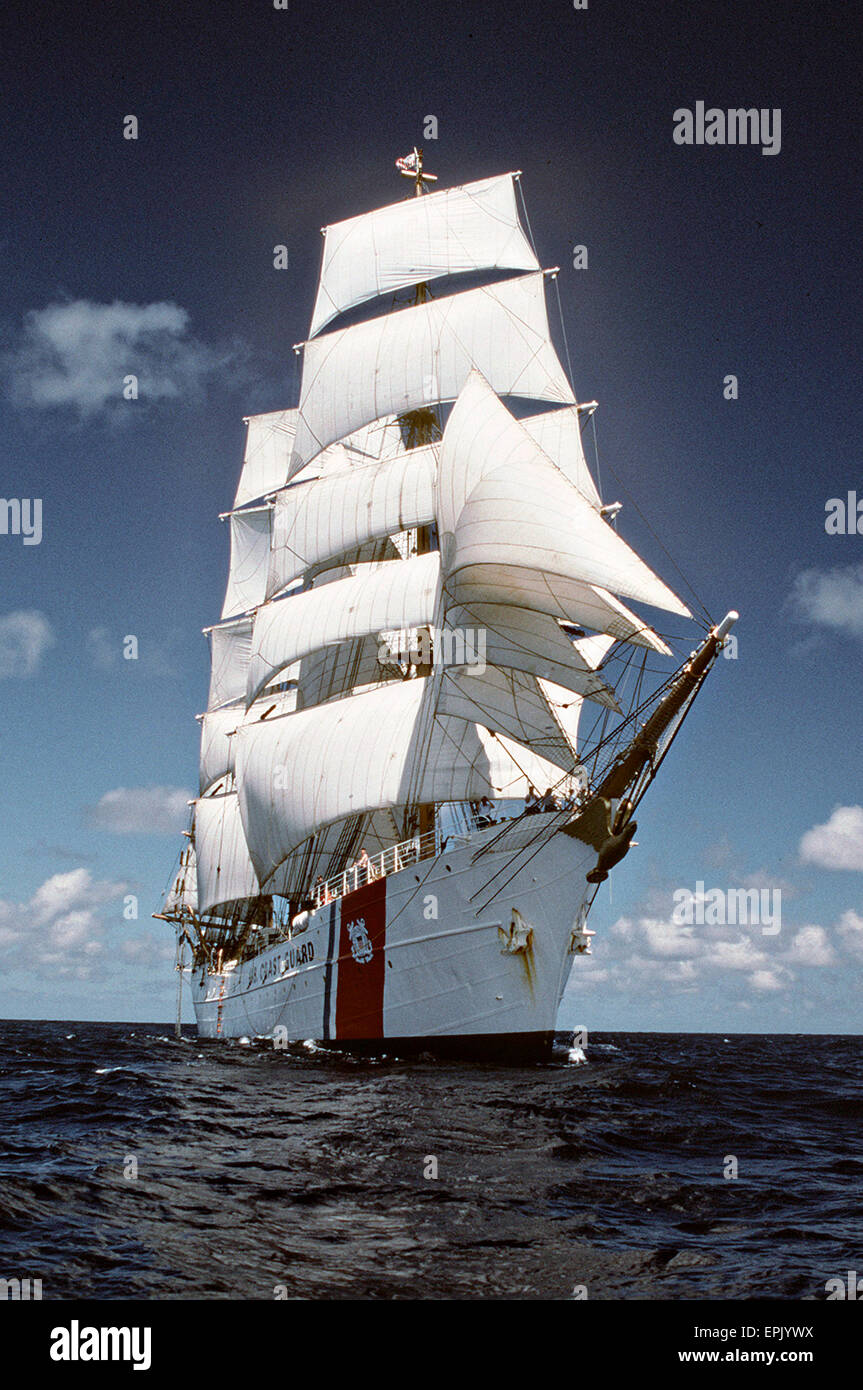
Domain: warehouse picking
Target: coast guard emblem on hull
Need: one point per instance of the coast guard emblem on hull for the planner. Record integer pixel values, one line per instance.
(361, 946)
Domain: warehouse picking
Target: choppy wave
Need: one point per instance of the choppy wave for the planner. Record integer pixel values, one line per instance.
(133, 1165)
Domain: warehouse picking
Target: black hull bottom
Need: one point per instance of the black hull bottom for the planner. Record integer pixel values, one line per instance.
(502, 1048)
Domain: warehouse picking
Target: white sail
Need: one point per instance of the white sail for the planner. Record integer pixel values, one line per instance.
(324, 519)
(474, 227)
(587, 605)
(225, 872)
(250, 554)
(523, 640)
(524, 517)
(219, 728)
(231, 650)
(558, 434)
(217, 740)
(507, 702)
(560, 578)
(506, 535)
(182, 896)
(381, 749)
(397, 594)
(421, 356)
(269, 442)
(568, 708)
(335, 670)
(381, 439)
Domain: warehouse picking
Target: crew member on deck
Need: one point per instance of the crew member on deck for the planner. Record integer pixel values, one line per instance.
(364, 871)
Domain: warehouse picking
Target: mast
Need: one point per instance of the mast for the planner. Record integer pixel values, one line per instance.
(181, 948)
(421, 427)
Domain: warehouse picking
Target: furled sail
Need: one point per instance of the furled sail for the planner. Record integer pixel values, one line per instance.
(328, 517)
(474, 227)
(225, 872)
(394, 595)
(250, 554)
(423, 355)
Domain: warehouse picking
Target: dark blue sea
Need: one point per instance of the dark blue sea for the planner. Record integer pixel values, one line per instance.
(136, 1166)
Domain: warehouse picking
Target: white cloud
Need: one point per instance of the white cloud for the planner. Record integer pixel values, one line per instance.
(142, 810)
(77, 354)
(768, 980)
(811, 947)
(839, 843)
(736, 954)
(850, 933)
(831, 598)
(25, 636)
(68, 892)
(60, 925)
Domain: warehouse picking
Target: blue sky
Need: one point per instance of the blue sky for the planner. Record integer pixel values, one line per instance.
(257, 126)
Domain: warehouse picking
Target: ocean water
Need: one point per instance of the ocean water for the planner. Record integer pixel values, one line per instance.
(133, 1165)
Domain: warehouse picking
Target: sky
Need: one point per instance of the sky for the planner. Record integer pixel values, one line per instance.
(256, 126)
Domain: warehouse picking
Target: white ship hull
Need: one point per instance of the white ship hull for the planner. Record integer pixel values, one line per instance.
(459, 954)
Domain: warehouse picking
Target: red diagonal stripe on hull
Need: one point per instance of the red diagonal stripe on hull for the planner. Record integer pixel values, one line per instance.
(360, 982)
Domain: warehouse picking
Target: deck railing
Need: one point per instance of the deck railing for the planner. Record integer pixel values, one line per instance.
(397, 857)
(389, 861)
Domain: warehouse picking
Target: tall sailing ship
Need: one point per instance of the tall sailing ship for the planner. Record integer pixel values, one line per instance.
(432, 713)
